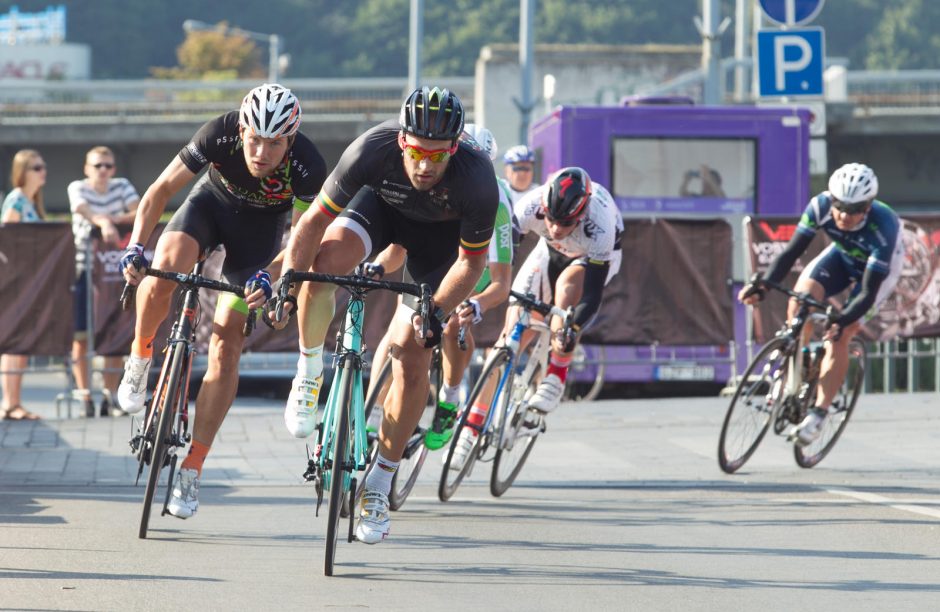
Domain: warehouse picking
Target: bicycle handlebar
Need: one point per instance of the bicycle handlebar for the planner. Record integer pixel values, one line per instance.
(804, 298)
(191, 280)
(530, 302)
(355, 281)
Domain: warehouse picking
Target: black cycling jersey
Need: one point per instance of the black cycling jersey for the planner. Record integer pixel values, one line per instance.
(467, 192)
(219, 143)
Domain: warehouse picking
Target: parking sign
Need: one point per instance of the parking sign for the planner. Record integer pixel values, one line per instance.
(790, 62)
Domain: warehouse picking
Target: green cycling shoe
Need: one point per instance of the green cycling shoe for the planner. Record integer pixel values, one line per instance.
(442, 430)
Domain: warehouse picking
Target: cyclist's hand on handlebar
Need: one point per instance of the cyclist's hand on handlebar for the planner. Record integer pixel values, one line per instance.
(752, 292)
(833, 329)
(435, 328)
(134, 263)
(469, 312)
(375, 271)
(258, 290)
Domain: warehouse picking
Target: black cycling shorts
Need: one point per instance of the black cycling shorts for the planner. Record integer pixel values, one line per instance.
(251, 237)
(432, 246)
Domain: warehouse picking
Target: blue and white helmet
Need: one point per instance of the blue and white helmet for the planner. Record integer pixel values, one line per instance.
(484, 138)
(519, 153)
(270, 111)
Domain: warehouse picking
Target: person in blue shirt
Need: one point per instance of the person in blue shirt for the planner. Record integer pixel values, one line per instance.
(867, 253)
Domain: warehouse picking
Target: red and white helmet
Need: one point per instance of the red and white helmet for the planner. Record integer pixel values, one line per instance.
(270, 111)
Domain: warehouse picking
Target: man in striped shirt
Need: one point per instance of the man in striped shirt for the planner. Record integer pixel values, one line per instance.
(99, 202)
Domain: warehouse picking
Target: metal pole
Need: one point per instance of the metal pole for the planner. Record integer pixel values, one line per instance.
(526, 52)
(711, 52)
(741, 33)
(415, 34)
(273, 55)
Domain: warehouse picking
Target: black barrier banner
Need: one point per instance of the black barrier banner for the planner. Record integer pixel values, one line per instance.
(114, 328)
(672, 288)
(37, 270)
(912, 310)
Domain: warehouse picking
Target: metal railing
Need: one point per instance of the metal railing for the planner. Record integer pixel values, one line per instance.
(154, 100)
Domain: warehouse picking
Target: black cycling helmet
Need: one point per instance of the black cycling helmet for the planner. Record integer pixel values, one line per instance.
(566, 195)
(432, 113)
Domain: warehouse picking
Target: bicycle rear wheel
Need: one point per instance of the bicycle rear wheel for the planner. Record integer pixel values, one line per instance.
(492, 372)
(341, 465)
(163, 402)
(839, 412)
(755, 401)
(519, 426)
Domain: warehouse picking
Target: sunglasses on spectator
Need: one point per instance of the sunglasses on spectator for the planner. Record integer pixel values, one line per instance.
(418, 153)
(38, 167)
(101, 165)
(521, 168)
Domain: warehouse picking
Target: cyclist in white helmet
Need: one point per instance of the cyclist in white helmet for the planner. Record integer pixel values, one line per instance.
(520, 171)
(866, 253)
(260, 169)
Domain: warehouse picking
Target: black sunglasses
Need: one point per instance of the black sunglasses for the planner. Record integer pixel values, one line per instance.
(852, 208)
(101, 165)
(564, 222)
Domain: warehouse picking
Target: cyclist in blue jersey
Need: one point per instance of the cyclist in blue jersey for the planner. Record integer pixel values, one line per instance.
(866, 250)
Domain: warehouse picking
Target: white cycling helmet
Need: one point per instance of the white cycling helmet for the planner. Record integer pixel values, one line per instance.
(853, 184)
(484, 138)
(519, 153)
(270, 111)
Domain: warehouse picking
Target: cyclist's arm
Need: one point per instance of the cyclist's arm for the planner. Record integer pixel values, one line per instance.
(864, 300)
(173, 178)
(785, 260)
(497, 291)
(305, 236)
(459, 280)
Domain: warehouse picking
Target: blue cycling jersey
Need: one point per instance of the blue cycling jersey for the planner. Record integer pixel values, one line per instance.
(871, 244)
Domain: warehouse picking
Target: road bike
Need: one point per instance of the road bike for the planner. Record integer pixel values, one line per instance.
(510, 375)
(779, 386)
(159, 437)
(341, 450)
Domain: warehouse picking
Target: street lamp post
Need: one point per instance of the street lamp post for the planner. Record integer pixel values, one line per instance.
(273, 41)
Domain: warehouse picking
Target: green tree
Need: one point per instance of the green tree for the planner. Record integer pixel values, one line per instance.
(906, 37)
(218, 52)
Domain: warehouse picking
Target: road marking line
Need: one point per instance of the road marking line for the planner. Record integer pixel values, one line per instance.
(885, 501)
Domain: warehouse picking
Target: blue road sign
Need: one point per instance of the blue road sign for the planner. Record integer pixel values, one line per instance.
(790, 62)
(791, 12)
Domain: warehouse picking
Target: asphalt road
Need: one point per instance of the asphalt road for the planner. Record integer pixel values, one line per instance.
(622, 506)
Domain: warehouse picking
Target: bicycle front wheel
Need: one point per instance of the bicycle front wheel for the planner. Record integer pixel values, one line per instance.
(415, 451)
(161, 416)
(759, 391)
(453, 474)
(839, 412)
(342, 463)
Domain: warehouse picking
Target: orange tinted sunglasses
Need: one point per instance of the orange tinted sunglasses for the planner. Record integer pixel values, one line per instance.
(418, 153)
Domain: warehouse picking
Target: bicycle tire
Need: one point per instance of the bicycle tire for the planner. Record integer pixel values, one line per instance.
(411, 463)
(746, 422)
(510, 455)
(164, 400)
(374, 399)
(839, 413)
(451, 479)
(338, 484)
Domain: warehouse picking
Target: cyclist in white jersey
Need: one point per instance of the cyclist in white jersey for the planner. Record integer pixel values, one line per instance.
(579, 252)
(520, 171)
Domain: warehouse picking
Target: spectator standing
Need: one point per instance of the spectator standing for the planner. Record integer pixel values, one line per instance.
(22, 205)
(98, 202)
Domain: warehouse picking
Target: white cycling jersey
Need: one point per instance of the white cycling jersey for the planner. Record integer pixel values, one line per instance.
(597, 236)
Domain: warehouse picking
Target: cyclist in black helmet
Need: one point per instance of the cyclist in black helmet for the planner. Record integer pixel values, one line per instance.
(410, 182)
